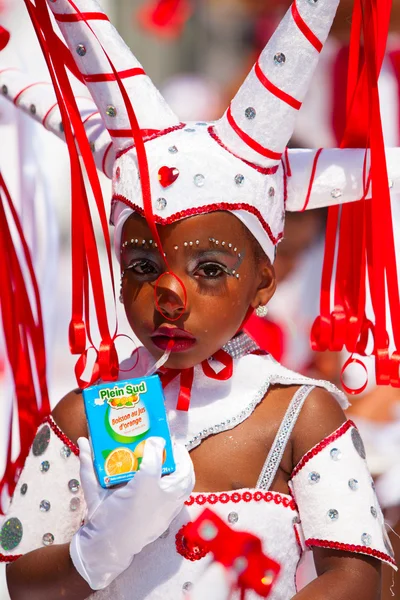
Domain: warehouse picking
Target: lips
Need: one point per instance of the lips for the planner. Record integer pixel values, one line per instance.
(183, 340)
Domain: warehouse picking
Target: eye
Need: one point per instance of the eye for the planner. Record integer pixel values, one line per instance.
(211, 270)
(143, 267)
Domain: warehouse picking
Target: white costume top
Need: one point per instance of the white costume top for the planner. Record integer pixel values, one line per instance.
(332, 502)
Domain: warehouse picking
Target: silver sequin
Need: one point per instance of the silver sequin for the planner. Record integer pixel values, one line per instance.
(24, 489)
(73, 486)
(279, 59)
(81, 49)
(314, 477)
(335, 454)
(312, 2)
(208, 531)
(45, 506)
(11, 534)
(44, 466)
(32, 109)
(74, 504)
(48, 539)
(65, 452)
(353, 484)
(4, 90)
(333, 514)
(358, 443)
(239, 179)
(366, 539)
(189, 129)
(250, 113)
(41, 441)
(374, 512)
(187, 586)
(111, 111)
(161, 203)
(271, 192)
(336, 193)
(233, 517)
(172, 149)
(199, 180)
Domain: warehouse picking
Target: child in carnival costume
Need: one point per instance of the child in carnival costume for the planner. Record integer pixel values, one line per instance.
(198, 210)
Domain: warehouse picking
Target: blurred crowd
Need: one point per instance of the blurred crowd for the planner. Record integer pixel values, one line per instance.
(199, 61)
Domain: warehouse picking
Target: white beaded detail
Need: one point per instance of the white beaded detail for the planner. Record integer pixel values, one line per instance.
(239, 346)
(274, 457)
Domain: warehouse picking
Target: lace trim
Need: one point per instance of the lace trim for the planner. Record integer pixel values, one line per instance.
(275, 455)
(321, 445)
(10, 558)
(61, 435)
(242, 496)
(350, 548)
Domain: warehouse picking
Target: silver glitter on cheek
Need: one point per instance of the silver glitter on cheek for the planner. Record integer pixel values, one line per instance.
(314, 477)
(233, 517)
(366, 539)
(358, 443)
(335, 454)
(11, 534)
(73, 486)
(41, 441)
(48, 539)
(333, 514)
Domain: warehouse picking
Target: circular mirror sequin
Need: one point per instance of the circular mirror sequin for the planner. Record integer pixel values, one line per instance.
(24, 489)
(161, 203)
(271, 192)
(366, 539)
(41, 441)
(81, 50)
(353, 484)
(74, 504)
(374, 512)
(239, 179)
(172, 149)
(333, 514)
(199, 180)
(32, 109)
(4, 90)
(250, 112)
(314, 477)
(233, 517)
(335, 454)
(45, 506)
(48, 539)
(65, 452)
(187, 585)
(11, 534)
(73, 485)
(44, 466)
(336, 193)
(208, 531)
(111, 111)
(279, 59)
(358, 443)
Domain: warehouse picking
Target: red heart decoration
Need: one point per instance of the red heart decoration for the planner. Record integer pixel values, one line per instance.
(4, 37)
(167, 176)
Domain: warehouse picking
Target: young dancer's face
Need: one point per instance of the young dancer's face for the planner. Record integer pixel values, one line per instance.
(223, 272)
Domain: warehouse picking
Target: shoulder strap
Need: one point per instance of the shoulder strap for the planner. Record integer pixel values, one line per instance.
(274, 457)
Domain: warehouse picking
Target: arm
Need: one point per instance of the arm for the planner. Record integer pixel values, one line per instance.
(342, 575)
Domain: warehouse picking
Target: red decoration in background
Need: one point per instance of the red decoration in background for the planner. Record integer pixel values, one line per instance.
(235, 550)
(167, 176)
(4, 37)
(165, 18)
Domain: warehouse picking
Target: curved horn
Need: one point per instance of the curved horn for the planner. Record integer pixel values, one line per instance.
(38, 100)
(86, 45)
(260, 119)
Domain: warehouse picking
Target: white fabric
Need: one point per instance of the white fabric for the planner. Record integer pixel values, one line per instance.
(333, 492)
(4, 593)
(216, 578)
(104, 546)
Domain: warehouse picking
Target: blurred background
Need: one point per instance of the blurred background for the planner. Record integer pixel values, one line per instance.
(198, 52)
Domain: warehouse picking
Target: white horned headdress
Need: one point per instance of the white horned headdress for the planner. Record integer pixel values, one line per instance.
(167, 170)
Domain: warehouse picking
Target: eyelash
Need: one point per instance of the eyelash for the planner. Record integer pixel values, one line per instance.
(145, 263)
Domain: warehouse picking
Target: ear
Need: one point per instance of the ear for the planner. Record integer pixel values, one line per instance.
(267, 285)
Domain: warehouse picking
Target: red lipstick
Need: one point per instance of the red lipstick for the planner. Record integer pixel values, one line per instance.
(183, 340)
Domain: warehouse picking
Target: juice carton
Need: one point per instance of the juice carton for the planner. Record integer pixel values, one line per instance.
(121, 416)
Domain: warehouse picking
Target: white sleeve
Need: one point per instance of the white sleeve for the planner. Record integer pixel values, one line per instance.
(338, 179)
(4, 593)
(336, 498)
(48, 504)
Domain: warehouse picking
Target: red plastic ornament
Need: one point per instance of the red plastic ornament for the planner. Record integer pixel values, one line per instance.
(167, 176)
(4, 37)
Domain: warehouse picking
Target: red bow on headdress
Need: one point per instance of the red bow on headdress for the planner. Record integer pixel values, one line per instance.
(166, 18)
(235, 550)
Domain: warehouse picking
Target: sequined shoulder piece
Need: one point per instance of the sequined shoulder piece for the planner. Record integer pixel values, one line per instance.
(48, 505)
(336, 498)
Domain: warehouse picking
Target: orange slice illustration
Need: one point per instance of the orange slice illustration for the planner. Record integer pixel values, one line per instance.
(121, 460)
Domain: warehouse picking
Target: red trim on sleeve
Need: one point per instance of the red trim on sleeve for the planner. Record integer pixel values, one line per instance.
(275, 90)
(312, 177)
(103, 162)
(321, 445)
(99, 77)
(65, 439)
(350, 548)
(73, 18)
(304, 28)
(249, 140)
(28, 87)
(47, 114)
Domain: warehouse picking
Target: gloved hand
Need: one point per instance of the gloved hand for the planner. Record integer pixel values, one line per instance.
(121, 521)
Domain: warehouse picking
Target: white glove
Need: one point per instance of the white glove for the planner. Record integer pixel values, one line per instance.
(121, 521)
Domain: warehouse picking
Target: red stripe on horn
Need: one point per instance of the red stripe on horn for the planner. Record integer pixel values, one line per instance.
(73, 18)
(304, 28)
(99, 77)
(52, 107)
(27, 88)
(275, 90)
(249, 141)
(103, 162)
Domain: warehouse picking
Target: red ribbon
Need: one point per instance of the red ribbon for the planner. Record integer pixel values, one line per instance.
(235, 550)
